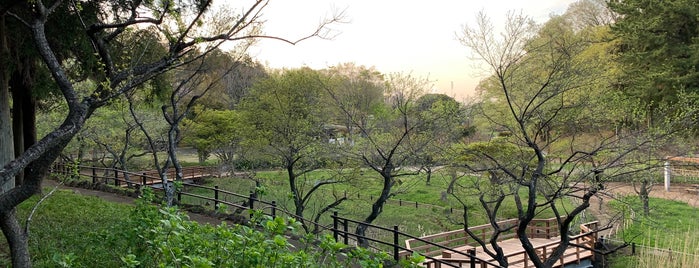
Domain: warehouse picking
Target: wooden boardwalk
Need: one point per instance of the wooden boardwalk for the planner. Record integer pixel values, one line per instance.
(541, 235)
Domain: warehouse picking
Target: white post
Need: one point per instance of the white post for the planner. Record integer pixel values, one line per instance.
(667, 176)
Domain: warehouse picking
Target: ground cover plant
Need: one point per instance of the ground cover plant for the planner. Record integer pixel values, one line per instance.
(90, 232)
(670, 227)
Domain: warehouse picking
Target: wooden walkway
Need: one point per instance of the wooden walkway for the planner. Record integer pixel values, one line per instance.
(541, 236)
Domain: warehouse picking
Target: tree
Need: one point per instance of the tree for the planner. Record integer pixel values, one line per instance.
(657, 49)
(540, 74)
(447, 117)
(179, 27)
(388, 138)
(215, 131)
(289, 117)
(361, 90)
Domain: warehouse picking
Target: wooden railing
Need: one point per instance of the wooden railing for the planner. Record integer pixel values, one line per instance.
(341, 232)
(581, 245)
(427, 246)
(537, 228)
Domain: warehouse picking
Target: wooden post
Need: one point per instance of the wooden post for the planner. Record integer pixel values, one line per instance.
(215, 196)
(668, 174)
(334, 216)
(116, 177)
(251, 205)
(143, 179)
(395, 243)
(472, 257)
(274, 209)
(345, 230)
(94, 175)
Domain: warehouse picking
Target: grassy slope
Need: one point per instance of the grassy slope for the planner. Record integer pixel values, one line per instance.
(671, 225)
(66, 225)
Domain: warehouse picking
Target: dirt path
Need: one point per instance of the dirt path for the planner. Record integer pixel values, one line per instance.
(117, 198)
(608, 217)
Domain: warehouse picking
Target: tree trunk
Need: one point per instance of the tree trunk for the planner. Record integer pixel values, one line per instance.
(7, 152)
(643, 194)
(376, 209)
(428, 170)
(298, 199)
(23, 115)
(16, 238)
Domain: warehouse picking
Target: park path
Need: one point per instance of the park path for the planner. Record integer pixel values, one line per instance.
(118, 198)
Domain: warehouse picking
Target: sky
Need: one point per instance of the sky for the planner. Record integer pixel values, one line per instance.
(395, 36)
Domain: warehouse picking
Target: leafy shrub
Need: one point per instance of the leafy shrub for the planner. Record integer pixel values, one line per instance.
(165, 237)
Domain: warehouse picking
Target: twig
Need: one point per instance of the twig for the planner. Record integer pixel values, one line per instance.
(31, 214)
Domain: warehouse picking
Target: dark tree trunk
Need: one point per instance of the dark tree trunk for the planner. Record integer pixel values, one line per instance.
(643, 194)
(23, 114)
(376, 208)
(16, 238)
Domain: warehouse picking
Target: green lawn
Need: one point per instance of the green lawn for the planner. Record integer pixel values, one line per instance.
(68, 226)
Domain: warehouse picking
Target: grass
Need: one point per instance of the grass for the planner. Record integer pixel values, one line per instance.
(430, 216)
(671, 227)
(67, 226)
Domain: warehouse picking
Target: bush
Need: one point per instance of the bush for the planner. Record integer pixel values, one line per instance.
(165, 237)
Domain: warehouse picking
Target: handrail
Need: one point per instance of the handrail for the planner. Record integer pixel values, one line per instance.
(399, 251)
(397, 246)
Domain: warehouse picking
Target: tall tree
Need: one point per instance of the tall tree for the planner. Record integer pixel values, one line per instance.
(289, 118)
(361, 90)
(178, 24)
(658, 44)
(388, 138)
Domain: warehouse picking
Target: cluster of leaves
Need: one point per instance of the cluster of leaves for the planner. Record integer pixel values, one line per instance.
(165, 237)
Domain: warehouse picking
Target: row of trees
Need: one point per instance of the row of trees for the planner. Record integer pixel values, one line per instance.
(601, 92)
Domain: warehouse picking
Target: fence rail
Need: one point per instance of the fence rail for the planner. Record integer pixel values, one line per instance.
(340, 228)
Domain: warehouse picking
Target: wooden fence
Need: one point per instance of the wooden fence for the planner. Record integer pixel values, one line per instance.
(341, 228)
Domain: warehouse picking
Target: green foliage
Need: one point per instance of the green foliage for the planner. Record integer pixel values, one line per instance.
(167, 238)
(214, 131)
(70, 230)
(658, 48)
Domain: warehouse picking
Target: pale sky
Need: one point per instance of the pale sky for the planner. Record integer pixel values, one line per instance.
(416, 37)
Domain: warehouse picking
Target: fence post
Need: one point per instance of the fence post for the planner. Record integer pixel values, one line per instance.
(344, 229)
(215, 196)
(251, 199)
(116, 177)
(334, 216)
(472, 257)
(667, 176)
(633, 248)
(416, 204)
(274, 209)
(143, 179)
(94, 175)
(400, 202)
(395, 243)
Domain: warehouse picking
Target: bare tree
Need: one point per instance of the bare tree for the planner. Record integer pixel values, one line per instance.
(180, 25)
